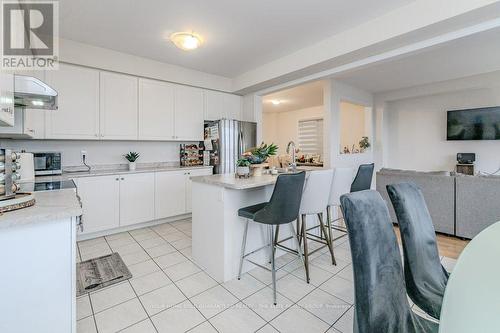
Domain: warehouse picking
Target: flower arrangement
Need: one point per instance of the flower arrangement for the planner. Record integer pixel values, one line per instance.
(260, 154)
(364, 143)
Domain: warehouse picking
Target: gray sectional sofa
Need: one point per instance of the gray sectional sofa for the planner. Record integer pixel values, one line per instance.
(459, 205)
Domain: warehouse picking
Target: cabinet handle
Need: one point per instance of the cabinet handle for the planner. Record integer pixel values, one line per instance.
(117, 178)
(122, 178)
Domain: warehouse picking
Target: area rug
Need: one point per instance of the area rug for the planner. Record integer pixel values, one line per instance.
(97, 273)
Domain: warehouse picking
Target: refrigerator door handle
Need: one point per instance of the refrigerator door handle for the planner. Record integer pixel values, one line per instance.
(242, 144)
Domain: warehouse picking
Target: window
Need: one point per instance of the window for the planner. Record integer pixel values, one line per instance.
(311, 136)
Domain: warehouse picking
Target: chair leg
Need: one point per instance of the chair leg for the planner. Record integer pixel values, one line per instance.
(243, 246)
(269, 234)
(273, 268)
(328, 241)
(299, 234)
(304, 239)
(276, 234)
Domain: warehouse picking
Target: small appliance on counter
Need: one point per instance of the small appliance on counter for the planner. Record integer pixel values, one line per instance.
(10, 196)
(47, 163)
(27, 171)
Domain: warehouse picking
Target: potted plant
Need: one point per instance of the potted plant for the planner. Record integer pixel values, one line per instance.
(364, 144)
(243, 167)
(258, 156)
(131, 158)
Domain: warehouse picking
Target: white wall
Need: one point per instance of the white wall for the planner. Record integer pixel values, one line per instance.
(281, 127)
(414, 124)
(100, 152)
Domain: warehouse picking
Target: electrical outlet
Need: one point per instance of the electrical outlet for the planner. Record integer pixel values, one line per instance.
(83, 154)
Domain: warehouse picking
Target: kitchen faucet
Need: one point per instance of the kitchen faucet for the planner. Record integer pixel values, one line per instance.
(293, 165)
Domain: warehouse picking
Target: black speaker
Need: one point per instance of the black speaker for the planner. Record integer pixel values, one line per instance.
(466, 158)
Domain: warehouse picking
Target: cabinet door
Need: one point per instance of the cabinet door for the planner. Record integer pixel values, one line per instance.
(137, 198)
(6, 99)
(170, 193)
(193, 173)
(118, 106)
(188, 117)
(156, 110)
(78, 97)
(232, 106)
(214, 105)
(100, 202)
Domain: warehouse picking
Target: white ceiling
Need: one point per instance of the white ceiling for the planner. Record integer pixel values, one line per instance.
(300, 97)
(479, 53)
(239, 35)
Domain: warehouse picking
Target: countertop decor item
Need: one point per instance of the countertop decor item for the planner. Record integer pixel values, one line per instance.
(364, 143)
(258, 156)
(131, 158)
(243, 167)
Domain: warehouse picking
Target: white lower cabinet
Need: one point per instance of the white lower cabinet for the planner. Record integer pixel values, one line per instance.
(100, 202)
(137, 198)
(193, 173)
(170, 193)
(116, 201)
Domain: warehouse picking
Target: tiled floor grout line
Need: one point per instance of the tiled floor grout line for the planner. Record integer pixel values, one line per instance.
(137, 296)
(173, 282)
(242, 301)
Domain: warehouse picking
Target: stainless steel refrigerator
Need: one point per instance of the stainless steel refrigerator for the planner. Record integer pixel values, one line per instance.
(226, 140)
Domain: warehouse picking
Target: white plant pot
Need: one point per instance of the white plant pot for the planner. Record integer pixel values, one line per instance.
(242, 171)
(131, 166)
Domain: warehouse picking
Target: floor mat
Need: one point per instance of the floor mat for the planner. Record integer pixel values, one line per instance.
(97, 273)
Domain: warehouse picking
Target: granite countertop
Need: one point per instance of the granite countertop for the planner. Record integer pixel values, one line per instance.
(232, 182)
(49, 206)
(115, 170)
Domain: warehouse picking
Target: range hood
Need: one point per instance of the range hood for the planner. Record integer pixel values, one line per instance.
(31, 93)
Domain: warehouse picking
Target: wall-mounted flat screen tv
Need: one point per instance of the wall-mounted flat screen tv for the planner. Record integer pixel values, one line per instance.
(474, 124)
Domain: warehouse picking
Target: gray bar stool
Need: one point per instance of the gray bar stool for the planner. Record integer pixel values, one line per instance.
(282, 208)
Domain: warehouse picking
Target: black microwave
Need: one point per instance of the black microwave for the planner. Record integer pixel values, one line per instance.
(47, 163)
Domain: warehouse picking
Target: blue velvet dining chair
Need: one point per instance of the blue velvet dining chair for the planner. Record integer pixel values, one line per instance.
(381, 304)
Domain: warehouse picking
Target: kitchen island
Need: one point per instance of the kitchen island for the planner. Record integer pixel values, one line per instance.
(217, 228)
(38, 256)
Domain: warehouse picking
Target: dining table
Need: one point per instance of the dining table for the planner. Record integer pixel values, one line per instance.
(471, 300)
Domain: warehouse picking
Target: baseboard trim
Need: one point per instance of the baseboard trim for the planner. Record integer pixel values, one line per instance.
(83, 237)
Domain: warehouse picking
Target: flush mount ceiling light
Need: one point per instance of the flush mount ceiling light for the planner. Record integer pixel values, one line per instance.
(276, 102)
(186, 41)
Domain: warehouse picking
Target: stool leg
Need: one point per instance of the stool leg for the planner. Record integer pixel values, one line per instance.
(269, 235)
(276, 234)
(273, 268)
(304, 239)
(243, 245)
(328, 242)
(299, 232)
(296, 241)
(329, 222)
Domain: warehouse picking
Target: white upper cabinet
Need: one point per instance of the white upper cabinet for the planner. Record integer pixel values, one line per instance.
(6, 99)
(188, 106)
(232, 106)
(214, 102)
(78, 97)
(156, 110)
(118, 101)
(220, 105)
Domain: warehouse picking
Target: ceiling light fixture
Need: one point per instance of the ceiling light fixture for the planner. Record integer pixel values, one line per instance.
(276, 102)
(186, 41)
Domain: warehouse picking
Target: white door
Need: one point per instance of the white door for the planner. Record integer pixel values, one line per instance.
(100, 202)
(189, 195)
(170, 193)
(214, 105)
(188, 108)
(118, 101)
(156, 110)
(232, 106)
(137, 198)
(78, 97)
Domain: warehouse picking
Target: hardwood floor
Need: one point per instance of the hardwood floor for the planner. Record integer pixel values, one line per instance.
(448, 246)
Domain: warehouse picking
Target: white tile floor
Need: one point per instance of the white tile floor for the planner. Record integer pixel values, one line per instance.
(169, 293)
